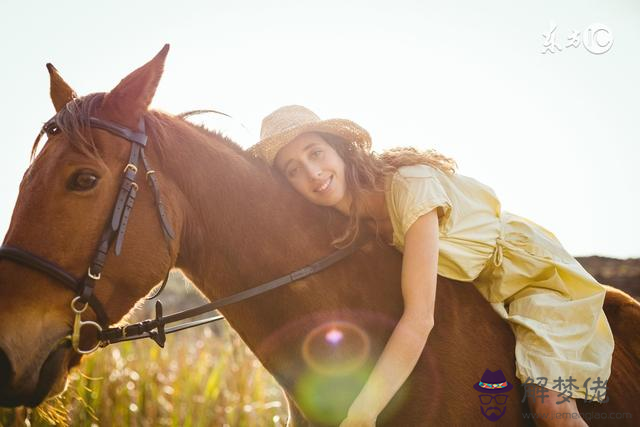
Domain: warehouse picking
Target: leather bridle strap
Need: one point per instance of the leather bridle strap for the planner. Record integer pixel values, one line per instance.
(52, 270)
(139, 138)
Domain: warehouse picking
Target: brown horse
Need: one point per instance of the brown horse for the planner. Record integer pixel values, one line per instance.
(238, 225)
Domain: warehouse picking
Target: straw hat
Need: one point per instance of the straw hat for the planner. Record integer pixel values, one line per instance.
(286, 123)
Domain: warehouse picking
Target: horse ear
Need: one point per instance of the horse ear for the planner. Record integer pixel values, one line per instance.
(60, 91)
(132, 96)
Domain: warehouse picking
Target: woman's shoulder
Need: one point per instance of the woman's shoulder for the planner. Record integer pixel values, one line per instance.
(415, 178)
(418, 171)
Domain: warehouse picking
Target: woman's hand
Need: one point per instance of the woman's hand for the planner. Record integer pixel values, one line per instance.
(358, 420)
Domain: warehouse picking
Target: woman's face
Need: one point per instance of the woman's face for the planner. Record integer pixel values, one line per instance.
(315, 170)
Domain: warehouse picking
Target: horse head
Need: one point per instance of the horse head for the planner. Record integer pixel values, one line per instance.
(65, 204)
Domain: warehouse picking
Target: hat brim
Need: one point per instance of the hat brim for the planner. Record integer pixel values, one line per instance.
(493, 390)
(269, 147)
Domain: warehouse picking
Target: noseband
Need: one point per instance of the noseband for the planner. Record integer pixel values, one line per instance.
(115, 230)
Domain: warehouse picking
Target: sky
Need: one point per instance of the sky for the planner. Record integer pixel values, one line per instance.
(554, 134)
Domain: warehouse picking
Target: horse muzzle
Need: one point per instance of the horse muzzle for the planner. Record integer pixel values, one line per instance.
(32, 389)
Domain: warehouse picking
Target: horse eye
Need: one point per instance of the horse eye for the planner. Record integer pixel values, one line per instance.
(52, 128)
(82, 181)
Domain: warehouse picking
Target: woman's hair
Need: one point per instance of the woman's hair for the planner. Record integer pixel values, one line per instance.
(366, 172)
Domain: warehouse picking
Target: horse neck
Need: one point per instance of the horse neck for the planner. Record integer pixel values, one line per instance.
(241, 226)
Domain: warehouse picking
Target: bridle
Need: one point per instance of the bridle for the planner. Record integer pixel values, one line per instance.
(115, 230)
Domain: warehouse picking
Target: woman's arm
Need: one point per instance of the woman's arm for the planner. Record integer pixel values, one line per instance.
(402, 351)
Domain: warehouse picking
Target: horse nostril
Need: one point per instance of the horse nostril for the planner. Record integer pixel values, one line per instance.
(6, 370)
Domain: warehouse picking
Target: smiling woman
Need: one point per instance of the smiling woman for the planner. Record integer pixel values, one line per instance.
(448, 224)
(311, 165)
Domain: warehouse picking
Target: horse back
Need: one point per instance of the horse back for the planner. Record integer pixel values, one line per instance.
(623, 386)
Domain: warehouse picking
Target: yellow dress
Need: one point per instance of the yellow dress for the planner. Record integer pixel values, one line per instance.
(553, 305)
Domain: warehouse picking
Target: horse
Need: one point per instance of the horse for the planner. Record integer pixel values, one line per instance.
(238, 224)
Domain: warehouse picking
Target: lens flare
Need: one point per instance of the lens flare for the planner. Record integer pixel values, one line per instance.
(325, 399)
(336, 348)
(334, 336)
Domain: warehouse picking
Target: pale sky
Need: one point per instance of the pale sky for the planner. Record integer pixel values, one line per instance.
(555, 135)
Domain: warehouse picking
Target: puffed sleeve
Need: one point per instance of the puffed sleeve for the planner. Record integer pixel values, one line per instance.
(416, 191)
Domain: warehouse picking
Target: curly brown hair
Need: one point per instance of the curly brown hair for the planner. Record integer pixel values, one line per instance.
(366, 172)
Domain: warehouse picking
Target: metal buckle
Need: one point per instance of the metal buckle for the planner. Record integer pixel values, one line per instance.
(93, 276)
(77, 327)
(133, 167)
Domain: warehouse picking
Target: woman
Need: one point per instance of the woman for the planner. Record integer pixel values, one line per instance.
(448, 224)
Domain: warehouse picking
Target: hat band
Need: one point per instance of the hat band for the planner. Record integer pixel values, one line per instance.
(492, 385)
